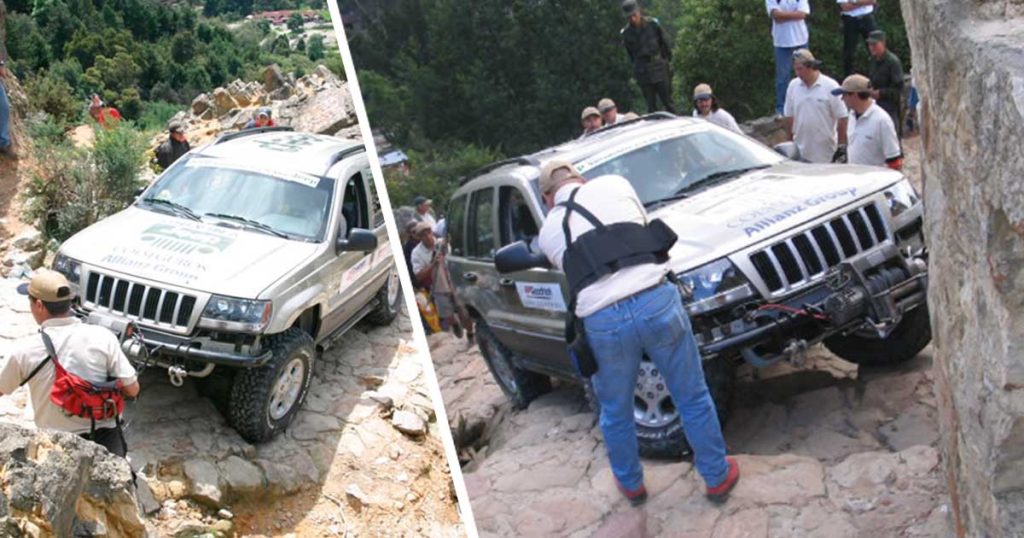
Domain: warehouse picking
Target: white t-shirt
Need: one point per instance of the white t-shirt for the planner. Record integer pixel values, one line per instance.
(88, 351)
(611, 199)
(720, 118)
(428, 218)
(815, 112)
(862, 10)
(421, 257)
(789, 33)
(871, 138)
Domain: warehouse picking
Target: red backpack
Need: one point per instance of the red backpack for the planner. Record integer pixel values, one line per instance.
(78, 397)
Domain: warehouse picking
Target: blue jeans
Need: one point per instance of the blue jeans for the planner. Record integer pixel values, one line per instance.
(654, 323)
(5, 118)
(783, 74)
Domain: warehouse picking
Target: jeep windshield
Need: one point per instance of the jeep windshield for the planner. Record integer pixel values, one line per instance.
(669, 169)
(295, 206)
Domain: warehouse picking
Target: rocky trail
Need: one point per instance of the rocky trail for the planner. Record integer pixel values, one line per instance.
(363, 458)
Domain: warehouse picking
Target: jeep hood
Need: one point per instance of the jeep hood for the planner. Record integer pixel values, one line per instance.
(764, 204)
(194, 255)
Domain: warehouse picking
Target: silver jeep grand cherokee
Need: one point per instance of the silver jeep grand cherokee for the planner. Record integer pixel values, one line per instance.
(773, 256)
(242, 257)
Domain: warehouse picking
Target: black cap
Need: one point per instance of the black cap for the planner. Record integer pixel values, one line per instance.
(629, 7)
(419, 200)
(876, 36)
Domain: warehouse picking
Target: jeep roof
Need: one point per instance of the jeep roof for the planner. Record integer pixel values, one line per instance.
(280, 148)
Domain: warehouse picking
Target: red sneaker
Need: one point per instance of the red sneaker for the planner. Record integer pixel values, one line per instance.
(720, 493)
(636, 497)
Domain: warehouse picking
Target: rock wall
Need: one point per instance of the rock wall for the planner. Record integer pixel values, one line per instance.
(968, 60)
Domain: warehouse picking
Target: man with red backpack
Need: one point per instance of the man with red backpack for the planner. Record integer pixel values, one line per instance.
(77, 374)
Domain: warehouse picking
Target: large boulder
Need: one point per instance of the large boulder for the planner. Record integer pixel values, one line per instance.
(58, 484)
(273, 78)
(223, 101)
(968, 60)
(325, 112)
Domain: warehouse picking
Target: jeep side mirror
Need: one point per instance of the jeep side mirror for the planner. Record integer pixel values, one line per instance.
(358, 240)
(517, 257)
(788, 150)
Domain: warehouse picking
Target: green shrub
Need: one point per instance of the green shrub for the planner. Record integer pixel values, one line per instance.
(156, 114)
(119, 154)
(53, 95)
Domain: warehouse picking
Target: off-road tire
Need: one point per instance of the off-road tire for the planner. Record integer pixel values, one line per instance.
(669, 442)
(520, 386)
(386, 311)
(903, 343)
(251, 393)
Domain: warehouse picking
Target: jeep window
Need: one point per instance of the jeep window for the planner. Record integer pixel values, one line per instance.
(481, 225)
(514, 217)
(456, 225)
(378, 213)
(666, 168)
(353, 206)
(296, 206)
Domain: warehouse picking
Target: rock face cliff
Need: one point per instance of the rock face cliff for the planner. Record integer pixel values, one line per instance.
(968, 60)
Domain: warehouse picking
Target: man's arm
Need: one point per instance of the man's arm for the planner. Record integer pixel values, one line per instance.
(131, 391)
(663, 42)
(893, 92)
(841, 130)
(783, 16)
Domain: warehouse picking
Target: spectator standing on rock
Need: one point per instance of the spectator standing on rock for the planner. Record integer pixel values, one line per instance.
(651, 54)
(5, 103)
(706, 107)
(609, 112)
(789, 33)
(423, 210)
(871, 133)
(410, 243)
(261, 119)
(886, 74)
(629, 309)
(590, 119)
(106, 116)
(174, 147)
(88, 351)
(815, 119)
(858, 22)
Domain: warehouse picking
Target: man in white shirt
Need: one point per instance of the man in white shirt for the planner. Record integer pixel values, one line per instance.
(858, 22)
(88, 351)
(609, 111)
(629, 310)
(789, 33)
(707, 108)
(870, 132)
(815, 119)
(590, 120)
(422, 257)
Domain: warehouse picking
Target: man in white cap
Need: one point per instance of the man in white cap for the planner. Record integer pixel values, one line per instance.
(88, 351)
(590, 119)
(706, 107)
(815, 119)
(870, 132)
(609, 111)
(614, 259)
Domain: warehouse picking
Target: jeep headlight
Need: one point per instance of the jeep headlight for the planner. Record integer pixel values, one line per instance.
(901, 197)
(238, 315)
(70, 268)
(714, 285)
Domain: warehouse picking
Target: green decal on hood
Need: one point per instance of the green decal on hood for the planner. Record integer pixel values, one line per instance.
(186, 240)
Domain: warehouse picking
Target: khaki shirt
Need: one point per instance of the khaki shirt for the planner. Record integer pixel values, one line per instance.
(88, 351)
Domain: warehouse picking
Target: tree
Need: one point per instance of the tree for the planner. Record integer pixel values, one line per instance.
(315, 47)
(295, 22)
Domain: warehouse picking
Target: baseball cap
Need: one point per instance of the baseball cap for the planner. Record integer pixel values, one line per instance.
(606, 104)
(546, 183)
(420, 228)
(876, 36)
(805, 56)
(47, 286)
(589, 111)
(421, 200)
(702, 91)
(264, 111)
(629, 7)
(853, 84)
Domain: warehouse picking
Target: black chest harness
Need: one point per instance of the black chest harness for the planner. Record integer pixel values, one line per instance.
(609, 248)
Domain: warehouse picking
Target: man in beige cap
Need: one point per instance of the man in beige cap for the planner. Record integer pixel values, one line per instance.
(614, 259)
(609, 111)
(870, 131)
(706, 107)
(88, 351)
(590, 119)
(815, 119)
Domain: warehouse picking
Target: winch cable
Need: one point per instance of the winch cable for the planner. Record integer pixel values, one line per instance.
(794, 311)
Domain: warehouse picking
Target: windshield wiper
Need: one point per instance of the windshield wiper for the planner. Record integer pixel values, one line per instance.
(176, 207)
(249, 223)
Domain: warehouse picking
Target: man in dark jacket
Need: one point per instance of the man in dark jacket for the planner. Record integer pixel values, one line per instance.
(651, 54)
(174, 147)
(886, 74)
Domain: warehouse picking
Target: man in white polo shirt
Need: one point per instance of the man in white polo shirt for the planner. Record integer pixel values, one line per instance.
(870, 132)
(858, 22)
(789, 33)
(815, 119)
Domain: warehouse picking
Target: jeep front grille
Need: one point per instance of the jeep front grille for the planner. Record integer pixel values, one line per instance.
(808, 255)
(139, 301)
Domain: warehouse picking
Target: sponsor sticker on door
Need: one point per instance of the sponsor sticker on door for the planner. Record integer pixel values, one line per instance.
(543, 296)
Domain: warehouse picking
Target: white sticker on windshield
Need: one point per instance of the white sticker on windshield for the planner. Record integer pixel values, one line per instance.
(296, 177)
(543, 296)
